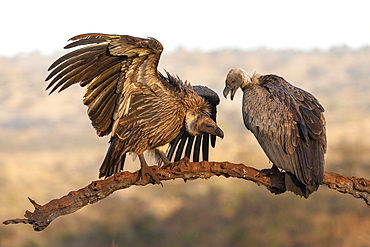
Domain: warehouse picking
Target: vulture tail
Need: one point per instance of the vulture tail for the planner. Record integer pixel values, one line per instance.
(114, 159)
(294, 185)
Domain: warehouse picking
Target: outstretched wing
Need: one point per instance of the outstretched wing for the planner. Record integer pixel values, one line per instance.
(193, 144)
(289, 124)
(113, 67)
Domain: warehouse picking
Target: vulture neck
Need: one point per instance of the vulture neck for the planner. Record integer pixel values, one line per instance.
(246, 79)
(190, 120)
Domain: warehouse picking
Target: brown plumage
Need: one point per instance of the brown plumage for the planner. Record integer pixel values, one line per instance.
(195, 144)
(128, 98)
(288, 123)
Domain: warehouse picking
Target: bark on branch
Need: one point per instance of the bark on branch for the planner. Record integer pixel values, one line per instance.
(43, 215)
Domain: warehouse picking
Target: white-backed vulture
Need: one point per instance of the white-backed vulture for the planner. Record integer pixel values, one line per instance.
(128, 98)
(288, 123)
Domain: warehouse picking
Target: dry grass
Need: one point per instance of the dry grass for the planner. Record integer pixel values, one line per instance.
(44, 137)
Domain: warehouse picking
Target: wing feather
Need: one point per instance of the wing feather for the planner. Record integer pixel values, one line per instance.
(99, 85)
(205, 147)
(289, 125)
(189, 146)
(71, 75)
(110, 66)
(180, 148)
(198, 140)
(200, 144)
(74, 54)
(85, 42)
(173, 144)
(65, 64)
(95, 109)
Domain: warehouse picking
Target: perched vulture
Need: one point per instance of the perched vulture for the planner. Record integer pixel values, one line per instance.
(288, 123)
(128, 98)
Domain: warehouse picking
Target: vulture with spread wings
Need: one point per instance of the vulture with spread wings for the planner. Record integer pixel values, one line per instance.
(288, 123)
(128, 98)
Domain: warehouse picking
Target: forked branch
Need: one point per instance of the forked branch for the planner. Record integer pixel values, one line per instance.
(43, 215)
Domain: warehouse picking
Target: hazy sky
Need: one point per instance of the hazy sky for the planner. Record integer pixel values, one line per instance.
(46, 25)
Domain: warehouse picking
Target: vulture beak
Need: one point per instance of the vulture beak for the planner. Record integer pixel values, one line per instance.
(218, 132)
(203, 125)
(213, 130)
(226, 91)
(233, 91)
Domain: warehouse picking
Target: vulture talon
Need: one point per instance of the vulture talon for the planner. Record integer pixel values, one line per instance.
(147, 170)
(166, 165)
(170, 165)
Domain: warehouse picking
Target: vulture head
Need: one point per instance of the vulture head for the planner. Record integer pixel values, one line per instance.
(202, 124)
(235, 78)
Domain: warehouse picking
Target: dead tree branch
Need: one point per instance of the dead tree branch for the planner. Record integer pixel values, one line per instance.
(43, 215)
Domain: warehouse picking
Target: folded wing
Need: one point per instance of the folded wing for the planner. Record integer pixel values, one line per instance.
(289, 124)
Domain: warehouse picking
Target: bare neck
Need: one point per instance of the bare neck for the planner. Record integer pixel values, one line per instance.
(246, 79)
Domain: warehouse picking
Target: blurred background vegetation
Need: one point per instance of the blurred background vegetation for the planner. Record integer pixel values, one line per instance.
(49, 148)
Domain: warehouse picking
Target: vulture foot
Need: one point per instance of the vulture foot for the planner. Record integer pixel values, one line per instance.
(165, 165)
(170, 165)
(146, 170)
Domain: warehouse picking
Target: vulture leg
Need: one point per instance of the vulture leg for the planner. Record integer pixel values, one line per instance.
(274, 170)
(165, 160)
(145, 169)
